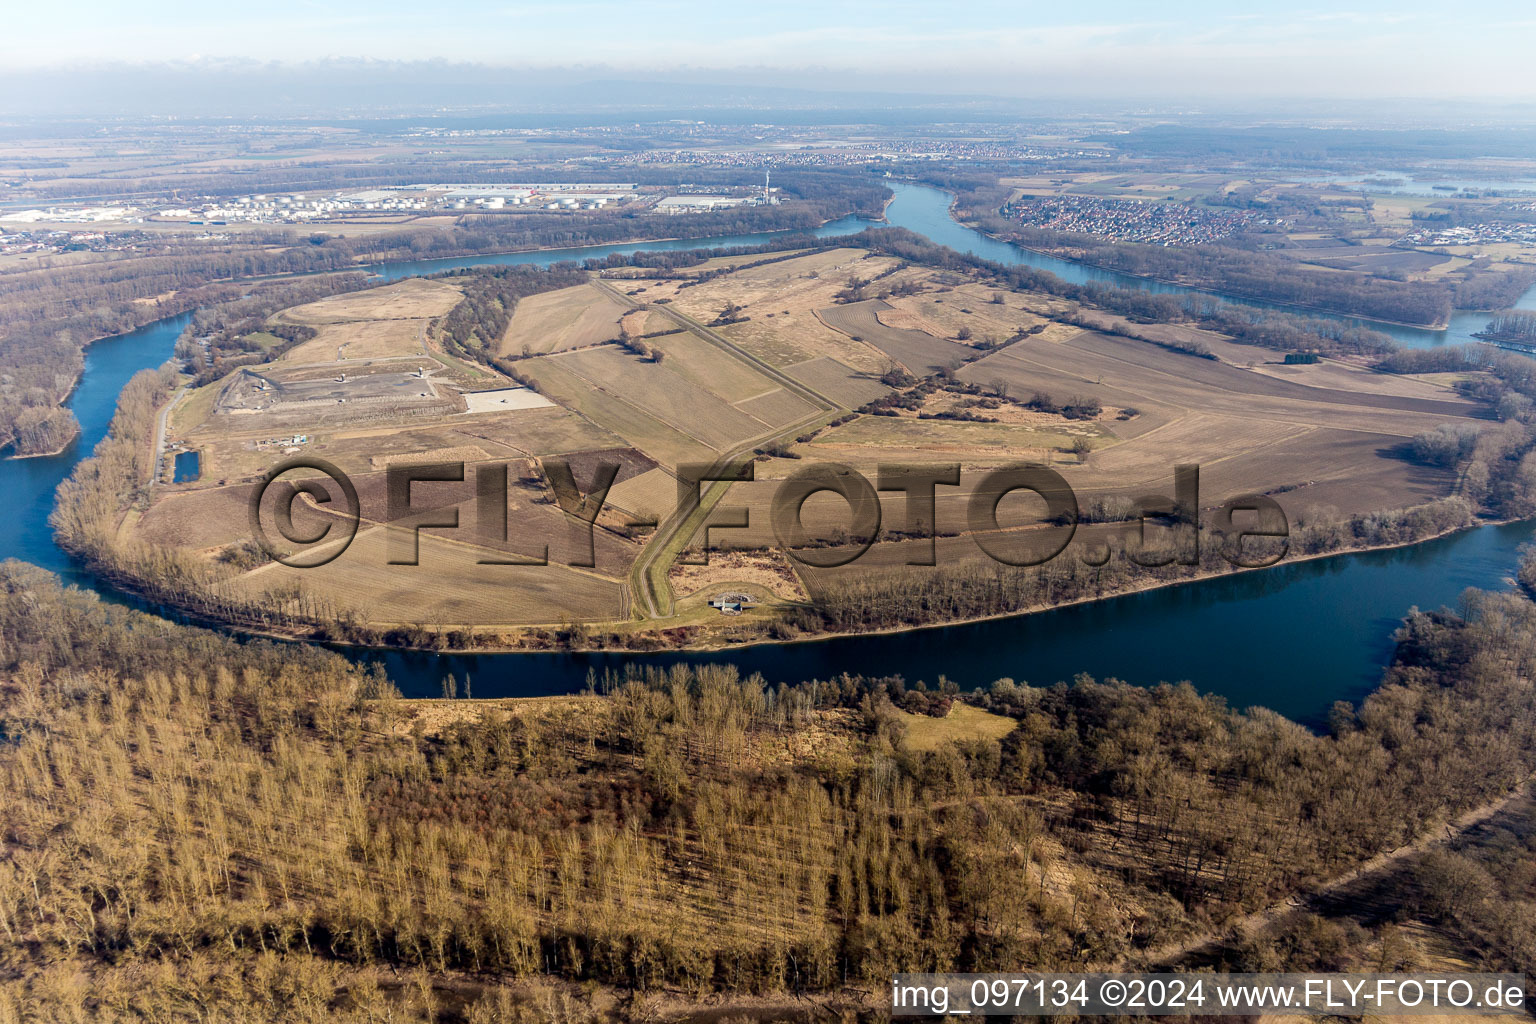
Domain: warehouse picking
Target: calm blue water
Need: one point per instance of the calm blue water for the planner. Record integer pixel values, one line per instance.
(1294, 638)
(28, 484)
(187, 467)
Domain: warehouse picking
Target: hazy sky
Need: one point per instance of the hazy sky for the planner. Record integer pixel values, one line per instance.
(1007, 48)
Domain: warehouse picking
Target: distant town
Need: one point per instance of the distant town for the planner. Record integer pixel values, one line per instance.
(1482, 233)
(1132, 220)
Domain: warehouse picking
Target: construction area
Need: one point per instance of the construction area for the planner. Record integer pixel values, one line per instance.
(336, 391)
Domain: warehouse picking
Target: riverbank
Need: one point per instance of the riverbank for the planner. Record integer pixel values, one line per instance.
(1440, 325)
(664, 644)
(670, 240)
(60, 450)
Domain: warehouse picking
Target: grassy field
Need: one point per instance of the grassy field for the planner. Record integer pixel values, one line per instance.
(200, 519)
(406, 300)
(907, 439)
(963, 723)
(362, 339)
(972, 307)
(778, 303)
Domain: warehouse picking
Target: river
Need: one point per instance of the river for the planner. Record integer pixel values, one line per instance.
(1294, 638)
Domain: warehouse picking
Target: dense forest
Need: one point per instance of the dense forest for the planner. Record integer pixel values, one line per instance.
(39, 430)
(196, 828)
(1506, 381)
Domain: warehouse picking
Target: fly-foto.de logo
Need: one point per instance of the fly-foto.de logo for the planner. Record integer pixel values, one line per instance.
(1251, 530)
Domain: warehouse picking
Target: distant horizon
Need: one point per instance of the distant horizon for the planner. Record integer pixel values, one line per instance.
(1197, 51)
(359, 87)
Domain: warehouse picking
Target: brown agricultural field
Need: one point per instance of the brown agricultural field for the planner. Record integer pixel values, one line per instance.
(843, 384)
(201, 519)
(799, 337)
(231, 451)
(700, 401)
(708, 366)
(667, 395)
(616, 417)
(653, 493)
(406, 300)
(535, 523)
(555, 321)
(918, 351)
(448, 588)
(778, 408)
(362, 339)
(1250, 432)
(1315, 448)
(908, 439)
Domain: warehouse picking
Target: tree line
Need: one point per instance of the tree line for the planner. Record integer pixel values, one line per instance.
(1512, 325)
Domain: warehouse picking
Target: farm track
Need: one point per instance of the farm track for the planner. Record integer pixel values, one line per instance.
(648, 576)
